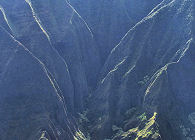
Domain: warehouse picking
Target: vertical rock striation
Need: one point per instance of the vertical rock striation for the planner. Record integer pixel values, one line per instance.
(120, 69)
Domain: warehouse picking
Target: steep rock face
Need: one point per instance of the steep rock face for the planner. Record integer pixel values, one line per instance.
(57, 35)
(111, 19)
(31, 105)
(159, 39)
(73, 40)
(35, 40)
(41, 104)
(59, 58)
(176, 112)
(172, 96)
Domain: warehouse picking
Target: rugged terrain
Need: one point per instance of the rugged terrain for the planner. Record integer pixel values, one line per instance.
(97, 70)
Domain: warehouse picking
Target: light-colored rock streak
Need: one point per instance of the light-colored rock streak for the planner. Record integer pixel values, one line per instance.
(61, 97)
(52, 129)
(159, 72)
(48, 37)
(142, 46)
(129, 71)
(38, 20)
(113, 70)
(153, 13)
(45, 32)
(5, 18)
(70, 21)
(160, 6)
(89, 29)
(156, 7)
(46, 71)
(149, 16)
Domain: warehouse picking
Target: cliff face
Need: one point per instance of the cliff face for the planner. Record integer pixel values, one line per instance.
(64, 45)
(144, 72)
(111, 19)
(31, 106)
(120, 69)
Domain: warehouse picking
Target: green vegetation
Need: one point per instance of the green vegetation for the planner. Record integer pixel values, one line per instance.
(83, 125)
(146, 129)
(142, 117)
(43, 136)
(79, 136)
(129, 132)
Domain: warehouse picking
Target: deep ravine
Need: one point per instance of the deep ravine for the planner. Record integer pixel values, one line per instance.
(97, 70)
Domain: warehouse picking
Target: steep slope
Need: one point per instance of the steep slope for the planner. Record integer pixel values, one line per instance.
(57, 35)
(31, 106)
(171, 94)
(88, 69)
(35, 40)
(73, 40)
(158, 40)
(111, 19)
(39, 98)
